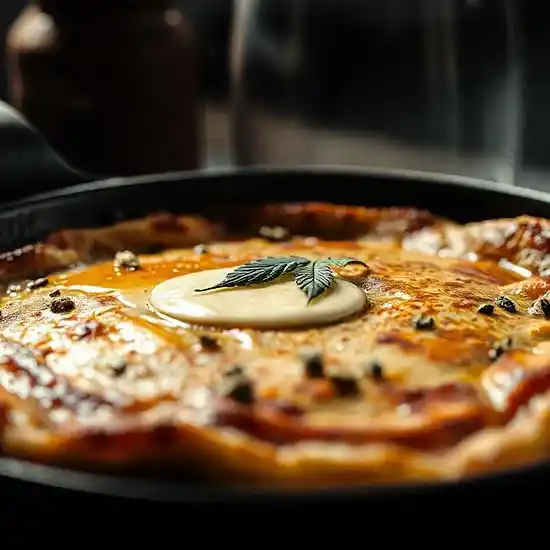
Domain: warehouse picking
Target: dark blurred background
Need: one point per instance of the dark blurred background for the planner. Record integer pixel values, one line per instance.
(212, 19)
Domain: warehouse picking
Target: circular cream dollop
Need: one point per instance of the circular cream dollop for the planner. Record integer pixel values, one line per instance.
(276, 305)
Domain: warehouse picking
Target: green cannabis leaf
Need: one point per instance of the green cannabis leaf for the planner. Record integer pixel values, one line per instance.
(313, 278)
(316, 277)
(259, 271)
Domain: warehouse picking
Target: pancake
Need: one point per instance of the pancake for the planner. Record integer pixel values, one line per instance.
(441, 370)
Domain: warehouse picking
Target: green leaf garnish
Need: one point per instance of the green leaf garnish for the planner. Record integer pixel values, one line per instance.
(312, 277)
(259, 271)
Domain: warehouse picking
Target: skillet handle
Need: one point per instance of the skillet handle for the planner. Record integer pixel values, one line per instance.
(27, 164)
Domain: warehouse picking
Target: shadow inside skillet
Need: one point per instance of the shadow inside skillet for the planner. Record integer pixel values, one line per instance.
(103, 203)
(29, 479)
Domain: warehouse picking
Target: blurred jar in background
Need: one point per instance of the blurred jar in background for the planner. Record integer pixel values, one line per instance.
(111, 84)
(432, 85)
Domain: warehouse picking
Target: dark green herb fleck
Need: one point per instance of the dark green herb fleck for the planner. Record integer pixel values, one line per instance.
(544, 304)
(62, 305)
(500, 347)
(208, 343)
(486, 309)
(119, 366)
(345, 386)
(423, 322)
(239, 388)
(505, 303)
(541, 306)
(313, 363)
(376, 371)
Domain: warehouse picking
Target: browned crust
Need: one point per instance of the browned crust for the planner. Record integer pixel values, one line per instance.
(305, 461)
(523, 241)
(163, 230)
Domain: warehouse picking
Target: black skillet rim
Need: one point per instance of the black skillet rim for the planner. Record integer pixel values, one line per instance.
(151, 489)
(306, 170)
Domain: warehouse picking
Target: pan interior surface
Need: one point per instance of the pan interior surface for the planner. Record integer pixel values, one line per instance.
(104, 203)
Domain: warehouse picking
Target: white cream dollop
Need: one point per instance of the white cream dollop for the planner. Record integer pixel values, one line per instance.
(278, 304)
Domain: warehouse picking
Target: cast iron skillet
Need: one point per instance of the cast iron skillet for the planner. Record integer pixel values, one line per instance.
(109, 201)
